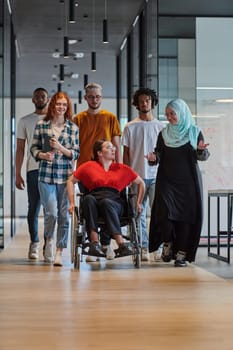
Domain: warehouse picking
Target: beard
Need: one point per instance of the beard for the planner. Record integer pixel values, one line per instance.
(96, 106)
(41, 106)
(144, 110)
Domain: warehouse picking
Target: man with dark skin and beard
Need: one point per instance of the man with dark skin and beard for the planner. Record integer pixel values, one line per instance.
(25, 131)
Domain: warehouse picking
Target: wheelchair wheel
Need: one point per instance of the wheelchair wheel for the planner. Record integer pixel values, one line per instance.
(73, 231)
(77, 258)
(136, 240)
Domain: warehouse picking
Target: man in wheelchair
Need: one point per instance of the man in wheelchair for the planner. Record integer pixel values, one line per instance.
(105, 179)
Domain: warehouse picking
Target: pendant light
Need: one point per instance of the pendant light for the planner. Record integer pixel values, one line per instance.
(105, 24)
(93, 54)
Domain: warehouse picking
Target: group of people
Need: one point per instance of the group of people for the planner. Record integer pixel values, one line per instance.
(159, 161)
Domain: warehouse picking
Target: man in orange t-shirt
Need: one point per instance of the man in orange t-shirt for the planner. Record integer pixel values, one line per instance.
(96, 123)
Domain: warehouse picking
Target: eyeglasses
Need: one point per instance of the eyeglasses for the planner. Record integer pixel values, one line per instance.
(91, 97)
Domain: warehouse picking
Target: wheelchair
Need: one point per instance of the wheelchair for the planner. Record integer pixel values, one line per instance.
(130, 224)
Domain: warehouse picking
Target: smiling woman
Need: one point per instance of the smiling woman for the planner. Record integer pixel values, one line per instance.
(176, 214)
(105, 179)
(56, 165)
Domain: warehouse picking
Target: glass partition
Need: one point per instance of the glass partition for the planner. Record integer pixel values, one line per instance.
(7, 147)
(1, 127)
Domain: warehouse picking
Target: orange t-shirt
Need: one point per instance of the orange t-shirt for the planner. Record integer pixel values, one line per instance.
(93, 127)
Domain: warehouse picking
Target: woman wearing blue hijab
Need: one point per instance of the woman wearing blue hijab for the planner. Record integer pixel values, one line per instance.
(176, 215)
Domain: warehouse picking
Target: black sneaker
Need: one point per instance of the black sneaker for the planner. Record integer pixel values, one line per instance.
(167, 252)
(180, 262)
(95, 250)
(125, 249)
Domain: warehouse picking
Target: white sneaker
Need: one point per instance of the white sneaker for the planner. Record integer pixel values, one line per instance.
(48, 252)
(156, 255)
(58, 258)
(33, 252)
(90, 258)
(144, 254)
(107, 249)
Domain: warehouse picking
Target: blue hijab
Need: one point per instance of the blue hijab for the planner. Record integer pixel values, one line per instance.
(185, 130)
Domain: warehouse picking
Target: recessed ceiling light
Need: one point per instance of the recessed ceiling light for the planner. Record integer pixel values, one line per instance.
(72, 41)
(74, 75)
(224, 100)
(56, 54)
(78, 54)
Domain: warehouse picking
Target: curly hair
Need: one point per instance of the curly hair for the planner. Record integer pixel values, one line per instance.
(52, 106)
(147, 92)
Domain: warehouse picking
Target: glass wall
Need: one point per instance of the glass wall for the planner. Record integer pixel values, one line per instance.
(188, 65)
(7, 124)
(138, 59)
(1, 126)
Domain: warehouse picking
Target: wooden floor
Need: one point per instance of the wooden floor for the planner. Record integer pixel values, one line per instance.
(110, 305)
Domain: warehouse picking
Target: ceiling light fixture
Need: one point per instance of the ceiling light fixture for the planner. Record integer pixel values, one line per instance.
(85, 80)
(59, 87)
(66, 47)
(72, 41)
(79, 54)
(80, 96)
(61, 73)
(74, 75)
(9, 7)
(224, 100)
(56, 54)
(105, 24)
(93, 61)
(214, 88)
(123, 44)
(65, 38)
(93, 54)
(72, 11)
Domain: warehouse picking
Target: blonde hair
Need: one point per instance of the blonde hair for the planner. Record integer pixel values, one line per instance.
(93, 86)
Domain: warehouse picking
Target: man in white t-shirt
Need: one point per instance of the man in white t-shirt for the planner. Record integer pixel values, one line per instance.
(25, 131)
(139, 138)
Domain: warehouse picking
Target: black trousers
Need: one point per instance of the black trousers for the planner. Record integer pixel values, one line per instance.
(107, 204)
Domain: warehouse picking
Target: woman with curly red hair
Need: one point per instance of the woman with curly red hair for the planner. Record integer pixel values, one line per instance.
(56, 146)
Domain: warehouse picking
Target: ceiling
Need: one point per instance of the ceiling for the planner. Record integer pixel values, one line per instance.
(41, 25)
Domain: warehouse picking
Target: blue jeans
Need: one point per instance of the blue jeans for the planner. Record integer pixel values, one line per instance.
(33, 204)
(148, 196)
(55, 202)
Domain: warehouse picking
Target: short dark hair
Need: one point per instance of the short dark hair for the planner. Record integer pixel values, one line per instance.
(97, 147)
(148, 92)
(40, 89)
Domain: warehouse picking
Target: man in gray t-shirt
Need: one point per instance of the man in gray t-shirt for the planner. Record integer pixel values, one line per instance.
(25, 131)
(139, 138)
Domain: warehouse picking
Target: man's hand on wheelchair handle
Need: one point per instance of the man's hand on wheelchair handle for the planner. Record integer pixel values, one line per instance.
(71, 209)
